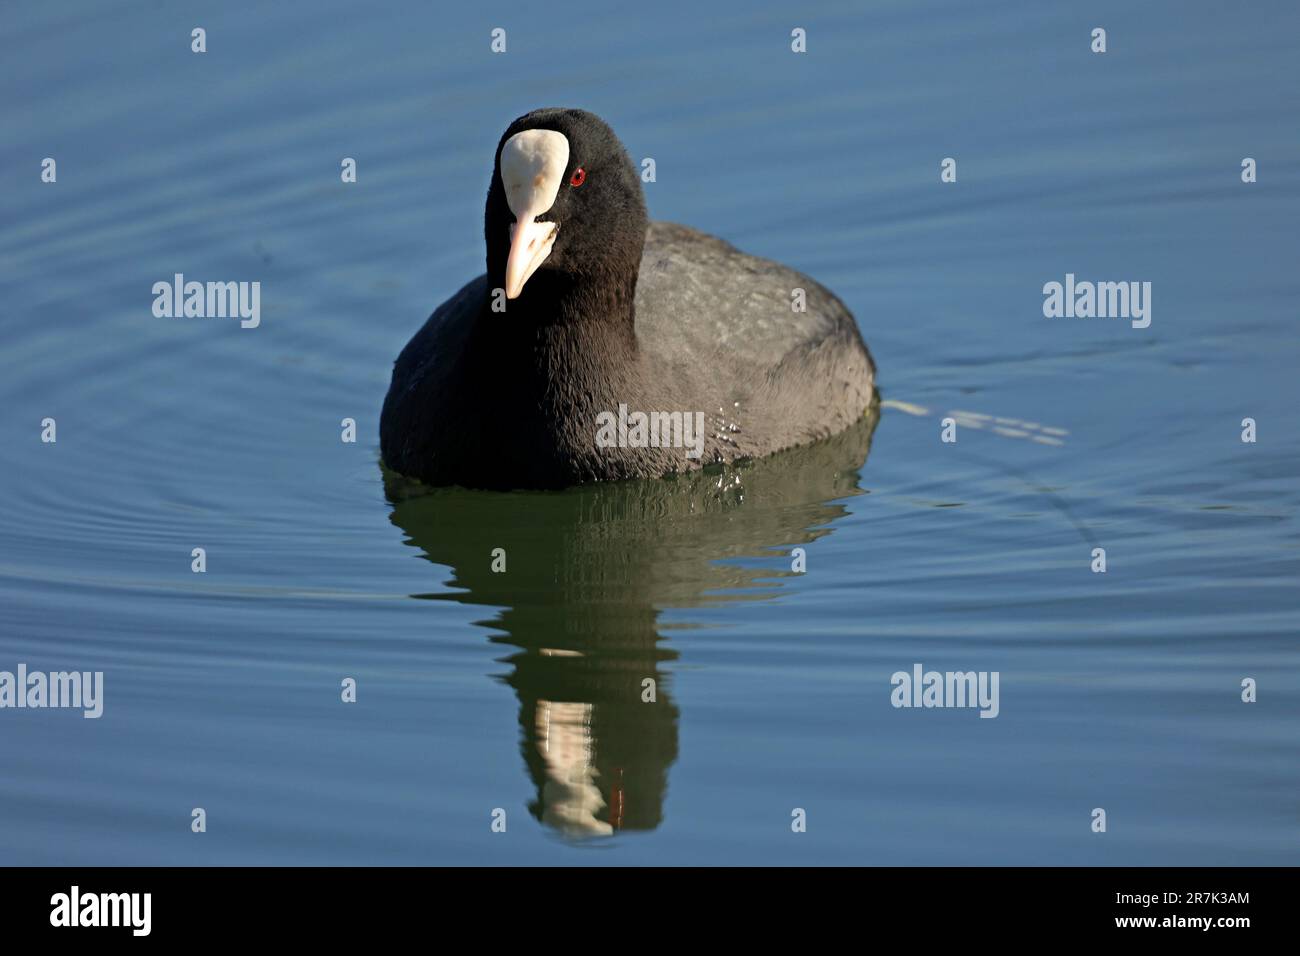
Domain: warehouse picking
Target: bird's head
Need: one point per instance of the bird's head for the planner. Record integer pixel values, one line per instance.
(565, 200)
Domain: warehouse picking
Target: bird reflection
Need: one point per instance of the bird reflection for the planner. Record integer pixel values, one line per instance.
(579, 578)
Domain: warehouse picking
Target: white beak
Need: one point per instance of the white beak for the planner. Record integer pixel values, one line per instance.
(532, 165)
(530, 244)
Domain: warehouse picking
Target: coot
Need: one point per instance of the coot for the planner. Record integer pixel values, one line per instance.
(601, 346)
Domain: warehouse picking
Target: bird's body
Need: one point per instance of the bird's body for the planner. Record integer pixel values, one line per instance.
(666, 320)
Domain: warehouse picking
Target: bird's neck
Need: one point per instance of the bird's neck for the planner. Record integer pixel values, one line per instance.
(581, 326)
(558, 356)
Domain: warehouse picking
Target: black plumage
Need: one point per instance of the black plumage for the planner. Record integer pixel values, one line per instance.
(652, 316)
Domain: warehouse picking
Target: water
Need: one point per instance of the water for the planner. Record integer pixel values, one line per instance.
(521, 691)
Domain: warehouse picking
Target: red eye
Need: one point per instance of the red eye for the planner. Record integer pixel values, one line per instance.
(578, 178)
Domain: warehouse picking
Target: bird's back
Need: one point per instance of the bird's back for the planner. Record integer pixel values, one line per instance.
(725, 328)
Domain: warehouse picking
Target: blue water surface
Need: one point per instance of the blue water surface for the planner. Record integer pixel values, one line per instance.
(523, 691)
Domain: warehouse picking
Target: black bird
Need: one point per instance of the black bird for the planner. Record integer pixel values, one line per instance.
(602, 346)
